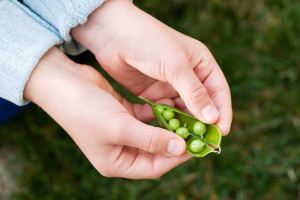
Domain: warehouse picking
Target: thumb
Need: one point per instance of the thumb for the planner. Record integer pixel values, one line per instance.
(150, 139)
(195, 95)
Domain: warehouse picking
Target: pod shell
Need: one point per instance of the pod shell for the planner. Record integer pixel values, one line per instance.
(212, 137)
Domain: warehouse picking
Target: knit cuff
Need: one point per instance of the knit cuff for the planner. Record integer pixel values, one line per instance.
(64, 15)
(24, 39)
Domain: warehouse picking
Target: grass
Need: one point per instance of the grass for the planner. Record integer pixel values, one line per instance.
(257, 45)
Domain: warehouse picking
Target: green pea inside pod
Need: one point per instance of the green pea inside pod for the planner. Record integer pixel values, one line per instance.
(197, 145)
(205, 149)
(211, 136)
(174, 124)
(182, 132)
(199, 128)
(167, 114)
(160, 109)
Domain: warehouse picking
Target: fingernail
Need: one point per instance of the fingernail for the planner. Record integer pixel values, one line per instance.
(175, 147)
(209, 113)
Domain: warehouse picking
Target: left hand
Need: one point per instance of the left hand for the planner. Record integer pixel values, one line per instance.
(101, 122)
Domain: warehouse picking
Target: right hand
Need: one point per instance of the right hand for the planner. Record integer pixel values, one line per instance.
(142, 53)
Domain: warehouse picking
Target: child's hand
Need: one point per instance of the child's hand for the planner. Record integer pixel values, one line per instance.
(130, 44)
(101, 122)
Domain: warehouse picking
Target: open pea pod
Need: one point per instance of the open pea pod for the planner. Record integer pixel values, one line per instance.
(212, 136)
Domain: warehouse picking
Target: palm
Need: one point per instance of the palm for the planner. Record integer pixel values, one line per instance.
(137, 82)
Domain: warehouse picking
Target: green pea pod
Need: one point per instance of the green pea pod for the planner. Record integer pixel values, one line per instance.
(212, 136)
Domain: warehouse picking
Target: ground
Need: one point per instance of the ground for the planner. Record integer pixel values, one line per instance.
(257, 45)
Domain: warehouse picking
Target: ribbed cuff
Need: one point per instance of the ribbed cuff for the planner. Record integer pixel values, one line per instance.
(64, 15)
(24, 38)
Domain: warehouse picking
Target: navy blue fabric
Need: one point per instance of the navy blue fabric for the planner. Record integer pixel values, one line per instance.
(8, 110)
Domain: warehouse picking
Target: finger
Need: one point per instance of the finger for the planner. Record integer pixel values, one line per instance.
(143, 85)
(225, 118)
(159, 90)
(141, 81)
(217, 87)
(221, 96)
(179, 103)
(148, 138)
(138, 164)
(144, 112)
(194, 94)
(224, 122)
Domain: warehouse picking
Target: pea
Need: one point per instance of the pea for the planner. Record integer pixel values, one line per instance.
(197, 145)
(160, 109)
(189, 128)
(182, 132)
(168, 115)
(174, 124)
(199, 128)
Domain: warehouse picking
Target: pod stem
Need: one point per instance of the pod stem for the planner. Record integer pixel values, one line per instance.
(146, 100)
(218, 151)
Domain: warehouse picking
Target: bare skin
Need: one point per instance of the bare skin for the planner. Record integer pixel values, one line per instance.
(101, 122)
(138, 51)
(148, 58)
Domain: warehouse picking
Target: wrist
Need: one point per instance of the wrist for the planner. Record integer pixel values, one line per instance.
(57, 81)
(96, 33)
(48, 75)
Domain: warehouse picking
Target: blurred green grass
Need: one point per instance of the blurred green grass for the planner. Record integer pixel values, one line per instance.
(257, 45)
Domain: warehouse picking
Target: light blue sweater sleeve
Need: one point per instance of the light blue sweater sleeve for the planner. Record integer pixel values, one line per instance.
(24, 38)
(64, 15)
(28, 30)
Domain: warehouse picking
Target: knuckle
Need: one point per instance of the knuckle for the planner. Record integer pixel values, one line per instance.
(202, 46)
(151, 145)
(198, 94)
(204, 51)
